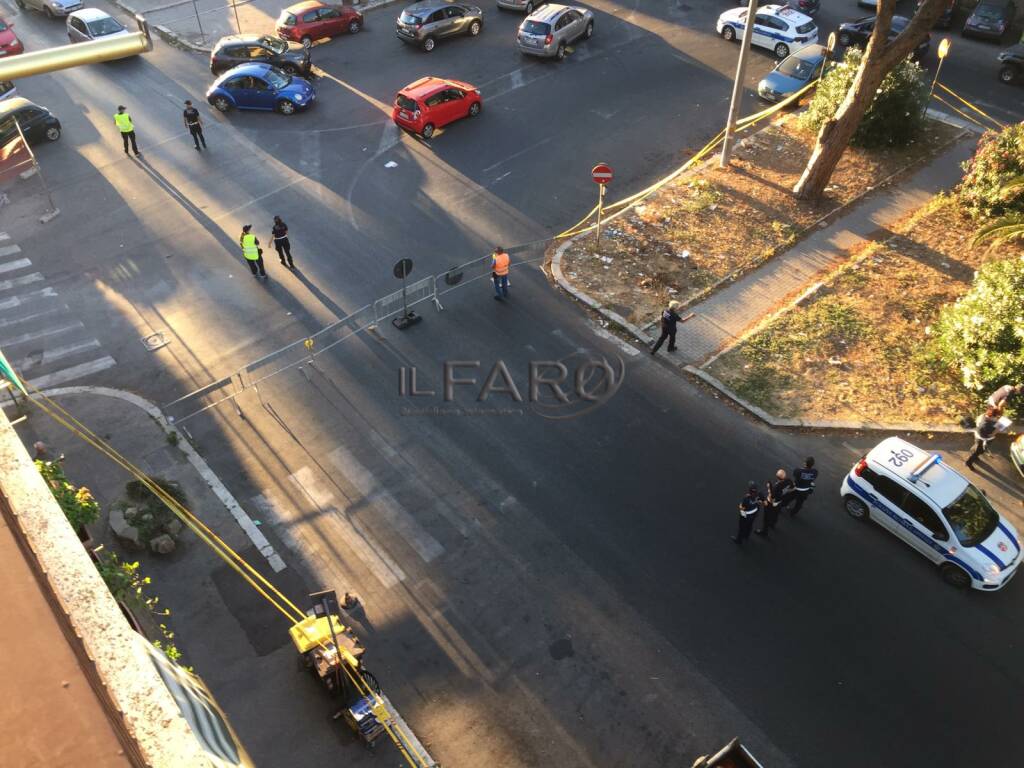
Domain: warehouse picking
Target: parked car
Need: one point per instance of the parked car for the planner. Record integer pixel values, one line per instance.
(10, 45)
(528, 6)
(425, 23)
(936, 511)
(262, 87)
(990, 19)
(93, 24)
(857, 33)
(776, 27)
(550, 30)
(311, 20)
(52, 8)
(433, 102)
(793, 73)
(945, 21)
(36, 122)
(1011, 64)
(233, 50)
(806, 7)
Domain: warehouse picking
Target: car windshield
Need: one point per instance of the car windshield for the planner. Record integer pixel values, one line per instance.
(107, 26)
(803, 29)
(989, 12)
(971, 517)
(405, 102)
(801, 69)
(276, 44)
(277, 79)
(536, 27)
(286, 19)
(408, 18)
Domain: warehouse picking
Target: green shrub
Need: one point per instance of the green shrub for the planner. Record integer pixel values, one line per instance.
(80, 508)
(982, 334)
(894, 118)
(998, 159)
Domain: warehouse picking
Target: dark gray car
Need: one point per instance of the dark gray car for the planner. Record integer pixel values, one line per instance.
(425, 23)
(233, 50)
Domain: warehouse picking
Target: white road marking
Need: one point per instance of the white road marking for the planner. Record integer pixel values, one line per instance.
(393, 513)
(389, 137)
(26, 298)
(370, 552)
(33, 335)
(270, 508)
(9, 250)
(517, 154)
(16, 264)
(4, 236)
(629, 349)
(33, 316)
(52, 355)
(16, 282)
(72, 373)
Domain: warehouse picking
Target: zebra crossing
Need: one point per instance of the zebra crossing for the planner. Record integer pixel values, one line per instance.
(39, 335)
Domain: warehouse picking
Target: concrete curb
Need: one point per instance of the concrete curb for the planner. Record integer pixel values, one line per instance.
(173, 38)
(774, 421)
(199, 464)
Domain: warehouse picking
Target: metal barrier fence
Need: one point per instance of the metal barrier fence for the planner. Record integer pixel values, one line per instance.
(304, 351)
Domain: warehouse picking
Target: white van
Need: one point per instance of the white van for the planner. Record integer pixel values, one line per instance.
(937, 511)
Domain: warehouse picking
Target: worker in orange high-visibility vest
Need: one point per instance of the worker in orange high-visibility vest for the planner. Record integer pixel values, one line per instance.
(500, 263)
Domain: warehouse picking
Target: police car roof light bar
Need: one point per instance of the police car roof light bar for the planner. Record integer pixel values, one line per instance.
(924, 466)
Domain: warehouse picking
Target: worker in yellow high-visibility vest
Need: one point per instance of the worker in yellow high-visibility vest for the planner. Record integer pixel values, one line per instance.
(124, 124)
(252, 252)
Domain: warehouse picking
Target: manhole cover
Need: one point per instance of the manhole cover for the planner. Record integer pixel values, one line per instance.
(154, 341)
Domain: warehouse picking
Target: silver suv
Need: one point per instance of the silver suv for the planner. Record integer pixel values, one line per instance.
(52, 8)
(425, 23)
(554, 27)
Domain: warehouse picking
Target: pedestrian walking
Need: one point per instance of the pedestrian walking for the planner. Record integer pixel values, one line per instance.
(750, 505)
(985, 428)
(124, 124)
(500, 265)
(803, 485)
(252, 252)
(281, 242)
(1005, 395)
(194, 124)
(669, 319)
(779, 496)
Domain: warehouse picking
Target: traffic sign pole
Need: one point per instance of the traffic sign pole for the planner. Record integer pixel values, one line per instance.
(600, 211)
(601, 174)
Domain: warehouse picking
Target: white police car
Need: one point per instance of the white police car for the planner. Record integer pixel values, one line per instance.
(935, 510)
(776, 27)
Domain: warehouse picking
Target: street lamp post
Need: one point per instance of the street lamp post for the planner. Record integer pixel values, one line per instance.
(943, 52)
(737, 86)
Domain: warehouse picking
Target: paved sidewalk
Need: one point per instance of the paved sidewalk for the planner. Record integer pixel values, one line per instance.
(725, 316)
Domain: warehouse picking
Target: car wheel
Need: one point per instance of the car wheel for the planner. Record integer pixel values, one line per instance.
(307, 42)
(955, 576)
(560, 51)
(290, 69)
(48, 12)
(589, 33)
(474, 29)
(428, 44)
(782, 50)
(728, 33)
(856, 508)
(845, 39)
(354, 26)
(221, 103)
(285, 107)
(529, 8)
(1008, 74)
(52, 133)
(474, 109)
(428, 130)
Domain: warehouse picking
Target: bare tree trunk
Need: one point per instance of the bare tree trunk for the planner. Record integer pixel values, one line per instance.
(879, 59)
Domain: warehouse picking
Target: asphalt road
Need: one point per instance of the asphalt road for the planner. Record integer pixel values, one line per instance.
(566, 592)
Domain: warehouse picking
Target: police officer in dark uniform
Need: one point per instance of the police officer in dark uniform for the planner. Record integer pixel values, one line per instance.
(779, 496)
(803, 484)
(750, 505)
(669, 318)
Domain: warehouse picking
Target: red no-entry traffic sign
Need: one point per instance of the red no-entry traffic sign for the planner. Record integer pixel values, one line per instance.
(601, 173)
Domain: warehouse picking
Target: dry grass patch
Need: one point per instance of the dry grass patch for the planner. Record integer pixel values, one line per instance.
(715, 224)
(859, 348)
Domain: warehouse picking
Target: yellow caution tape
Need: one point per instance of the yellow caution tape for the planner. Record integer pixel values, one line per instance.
(969, 105)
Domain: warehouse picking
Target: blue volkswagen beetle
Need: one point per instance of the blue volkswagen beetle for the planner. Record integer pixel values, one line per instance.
(793, 73)
(260, 86)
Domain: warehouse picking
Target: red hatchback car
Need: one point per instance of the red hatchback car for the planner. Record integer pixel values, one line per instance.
(9, 42)
(312, 20)
(433, 102)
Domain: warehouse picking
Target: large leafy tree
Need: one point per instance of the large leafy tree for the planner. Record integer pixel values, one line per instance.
(880, 57)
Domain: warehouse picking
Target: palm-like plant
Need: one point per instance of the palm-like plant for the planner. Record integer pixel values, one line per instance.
(1005, 228)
